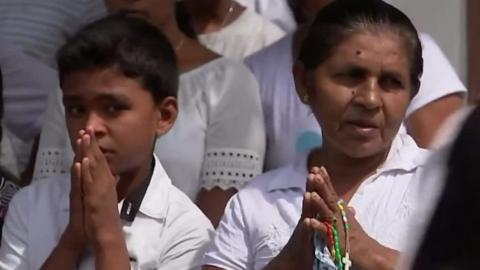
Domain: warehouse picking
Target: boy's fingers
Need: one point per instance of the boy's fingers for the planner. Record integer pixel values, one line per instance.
(86, 175)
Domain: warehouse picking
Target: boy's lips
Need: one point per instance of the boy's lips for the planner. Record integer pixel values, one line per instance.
(106, 151)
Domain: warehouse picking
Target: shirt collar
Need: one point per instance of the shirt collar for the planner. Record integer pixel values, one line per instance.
(404, 155)
(155, 201)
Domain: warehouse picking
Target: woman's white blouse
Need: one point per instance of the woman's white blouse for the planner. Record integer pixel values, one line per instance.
(249, 33)
(260, 219)
(218, 139)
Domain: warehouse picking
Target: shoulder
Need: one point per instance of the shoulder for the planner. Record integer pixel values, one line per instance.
(260, 23)
(216, 72)
(270, 54)
(183, 213)
(43, 192)
(409, 153)
(264, 190)
(439, 78)
(226, 79)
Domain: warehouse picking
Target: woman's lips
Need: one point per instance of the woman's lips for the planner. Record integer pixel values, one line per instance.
(362, 128)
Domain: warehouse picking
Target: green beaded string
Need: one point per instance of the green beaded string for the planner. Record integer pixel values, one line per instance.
(338, 254)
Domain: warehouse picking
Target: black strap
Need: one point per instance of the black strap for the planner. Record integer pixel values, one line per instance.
(132, 203)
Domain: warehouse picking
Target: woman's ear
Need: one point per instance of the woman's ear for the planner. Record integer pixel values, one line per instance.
(167, 112)
(300, 78)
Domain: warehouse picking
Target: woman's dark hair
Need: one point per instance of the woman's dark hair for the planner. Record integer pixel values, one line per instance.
(342, 18)
(127, 44)
(452, 239)
(184, 20)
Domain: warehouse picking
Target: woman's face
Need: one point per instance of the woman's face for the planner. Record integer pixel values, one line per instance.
(157, 12)
(360, 94)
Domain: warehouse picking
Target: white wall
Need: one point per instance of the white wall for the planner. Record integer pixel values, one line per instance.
(445, 21)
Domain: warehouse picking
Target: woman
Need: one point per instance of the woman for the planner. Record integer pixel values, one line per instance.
(358, 69)
(292, 129)
(117, 75)
(229, 29)
(218, 142)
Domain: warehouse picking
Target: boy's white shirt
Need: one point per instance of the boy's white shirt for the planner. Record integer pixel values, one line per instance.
(169, 231)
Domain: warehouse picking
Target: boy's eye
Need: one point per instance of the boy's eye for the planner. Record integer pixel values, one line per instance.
(115, 108)
(74, 110)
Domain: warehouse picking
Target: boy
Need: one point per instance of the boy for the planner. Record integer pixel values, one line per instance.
(119, 82)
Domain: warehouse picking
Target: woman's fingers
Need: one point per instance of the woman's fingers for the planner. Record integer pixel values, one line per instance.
(326, 177)
(318, 226)
(307, 211)
(321, 208)
(320, 186)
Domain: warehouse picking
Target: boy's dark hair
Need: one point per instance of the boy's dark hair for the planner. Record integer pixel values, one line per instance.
(127, 44)
(343, 18)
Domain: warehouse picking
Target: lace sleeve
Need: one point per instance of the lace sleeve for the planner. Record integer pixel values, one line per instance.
(235, 138)
(230, 168)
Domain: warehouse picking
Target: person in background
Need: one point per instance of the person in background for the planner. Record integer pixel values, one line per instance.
(276, 11)
(291, 127)
(359, 67)
(446, 244)
(8, 181)
(39, 28)
(229, 29)
(118, 208)
(217, 144)
(27, 82)
(30, 34)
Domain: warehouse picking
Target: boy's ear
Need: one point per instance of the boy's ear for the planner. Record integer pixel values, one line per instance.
(167, 112)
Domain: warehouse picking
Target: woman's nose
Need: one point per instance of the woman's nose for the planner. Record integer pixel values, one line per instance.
(369, 95)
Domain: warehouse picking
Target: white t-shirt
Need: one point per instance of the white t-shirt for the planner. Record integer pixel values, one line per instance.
(218, 139)
(249, 33)
(260, 219)
(276, 11)
(291, 127)
(168, 232)
(39, 28)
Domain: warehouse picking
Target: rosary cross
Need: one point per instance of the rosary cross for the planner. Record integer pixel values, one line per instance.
(347, 262)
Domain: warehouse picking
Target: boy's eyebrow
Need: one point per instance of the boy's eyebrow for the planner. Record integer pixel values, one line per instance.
(103, 96)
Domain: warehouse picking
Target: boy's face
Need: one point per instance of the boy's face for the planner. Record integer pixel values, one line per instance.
(122, 114)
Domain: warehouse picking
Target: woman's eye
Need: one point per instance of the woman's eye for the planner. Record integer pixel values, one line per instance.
(390, 83)
(350, 77)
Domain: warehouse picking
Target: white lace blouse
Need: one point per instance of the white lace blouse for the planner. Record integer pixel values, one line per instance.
(247, 34)
(218, 139)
